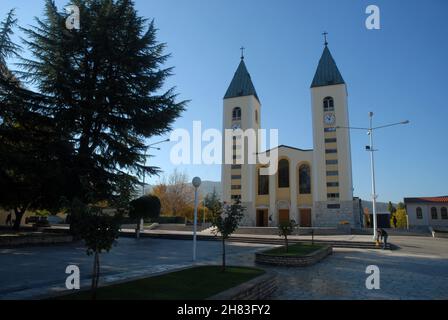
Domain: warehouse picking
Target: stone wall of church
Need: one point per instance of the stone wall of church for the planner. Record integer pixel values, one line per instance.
(331, 218)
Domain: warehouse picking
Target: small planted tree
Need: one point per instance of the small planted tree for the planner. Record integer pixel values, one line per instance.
(211, 200)
(99, 232)
(286, 229)
(146, 207)
(225, 219)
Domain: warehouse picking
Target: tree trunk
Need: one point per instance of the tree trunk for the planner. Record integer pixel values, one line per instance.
(223, 255)
(286, 242)
(18, 221)
(95, 274)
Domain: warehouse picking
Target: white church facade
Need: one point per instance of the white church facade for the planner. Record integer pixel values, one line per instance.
(312, 187)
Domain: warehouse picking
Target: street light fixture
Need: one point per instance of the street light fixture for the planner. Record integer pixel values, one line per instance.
(370, 149)
(196, 184)
(151, 146)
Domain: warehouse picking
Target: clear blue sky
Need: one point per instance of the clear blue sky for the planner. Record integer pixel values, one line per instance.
(399, 72)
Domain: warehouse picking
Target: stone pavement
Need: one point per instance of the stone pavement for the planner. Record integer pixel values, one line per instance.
(419, 270)
(342, 276)
(30, 272)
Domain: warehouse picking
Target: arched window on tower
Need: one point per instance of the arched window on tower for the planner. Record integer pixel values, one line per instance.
(304, 179)
(328, 104)
(283, 173)
(236, 114)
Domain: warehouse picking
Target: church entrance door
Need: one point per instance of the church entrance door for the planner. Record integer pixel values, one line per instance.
(262, 218)
(305, 218)
(283, 216)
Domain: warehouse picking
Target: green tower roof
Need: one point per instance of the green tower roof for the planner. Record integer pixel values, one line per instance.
(327, 72)
(241, 84)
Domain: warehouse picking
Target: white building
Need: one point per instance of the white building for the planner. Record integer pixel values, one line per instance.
(427, 211)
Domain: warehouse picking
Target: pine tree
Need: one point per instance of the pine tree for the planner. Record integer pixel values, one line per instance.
(29, 174)
(105, 82)
(212, 201)
(8, 48)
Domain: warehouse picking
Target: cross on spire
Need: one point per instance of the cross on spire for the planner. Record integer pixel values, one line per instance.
(325, 37)
(242, 52)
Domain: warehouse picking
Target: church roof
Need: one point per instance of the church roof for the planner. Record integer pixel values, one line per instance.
(241, 84)
(287, 147)
(327, 72)
(443, 199)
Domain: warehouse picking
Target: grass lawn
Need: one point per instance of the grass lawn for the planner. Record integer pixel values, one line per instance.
(191, 284)
(298, 249)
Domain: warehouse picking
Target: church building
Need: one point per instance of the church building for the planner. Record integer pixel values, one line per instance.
(312, 187)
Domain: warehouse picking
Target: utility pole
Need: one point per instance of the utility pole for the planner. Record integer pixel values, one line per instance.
(370, 148)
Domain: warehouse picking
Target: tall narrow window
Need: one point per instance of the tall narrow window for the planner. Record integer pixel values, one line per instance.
(304, 179)
(256, 116)
(419, 213)
(328, 104)
(434, 213)
(236, 114)
(444, 213)
(283, 173)
(263, 184)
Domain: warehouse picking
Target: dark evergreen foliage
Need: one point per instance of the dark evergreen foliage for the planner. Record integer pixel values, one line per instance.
(99, 94)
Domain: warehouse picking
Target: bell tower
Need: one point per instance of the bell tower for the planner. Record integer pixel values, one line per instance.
(332, 165)
(241, 110)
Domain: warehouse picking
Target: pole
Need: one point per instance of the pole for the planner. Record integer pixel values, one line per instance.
(195, 221)
(203, 213)
(372, 165)
(142, 222)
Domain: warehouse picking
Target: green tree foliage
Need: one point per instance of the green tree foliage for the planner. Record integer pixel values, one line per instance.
(401, 215)
(30, 166)
(285, 229)
(8, 48)
(99, 232)
(146, 207)
(105, 80)
(212, 201)
(391, 208)
(226, 219)
(99, 97)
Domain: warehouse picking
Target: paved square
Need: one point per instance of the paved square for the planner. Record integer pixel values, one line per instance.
(419, 270)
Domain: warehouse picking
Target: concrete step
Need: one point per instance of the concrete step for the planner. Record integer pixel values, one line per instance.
(258, 240)
(177, 227)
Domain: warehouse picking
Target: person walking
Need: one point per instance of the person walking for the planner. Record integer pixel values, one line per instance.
(384, 237)
(394, 220)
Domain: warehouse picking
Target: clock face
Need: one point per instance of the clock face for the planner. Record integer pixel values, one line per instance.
(236, 126)
(329, 118)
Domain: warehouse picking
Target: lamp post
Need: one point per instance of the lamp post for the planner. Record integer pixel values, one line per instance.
(203, 213)
(151, 146)
(196, 183)
(370, 130)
